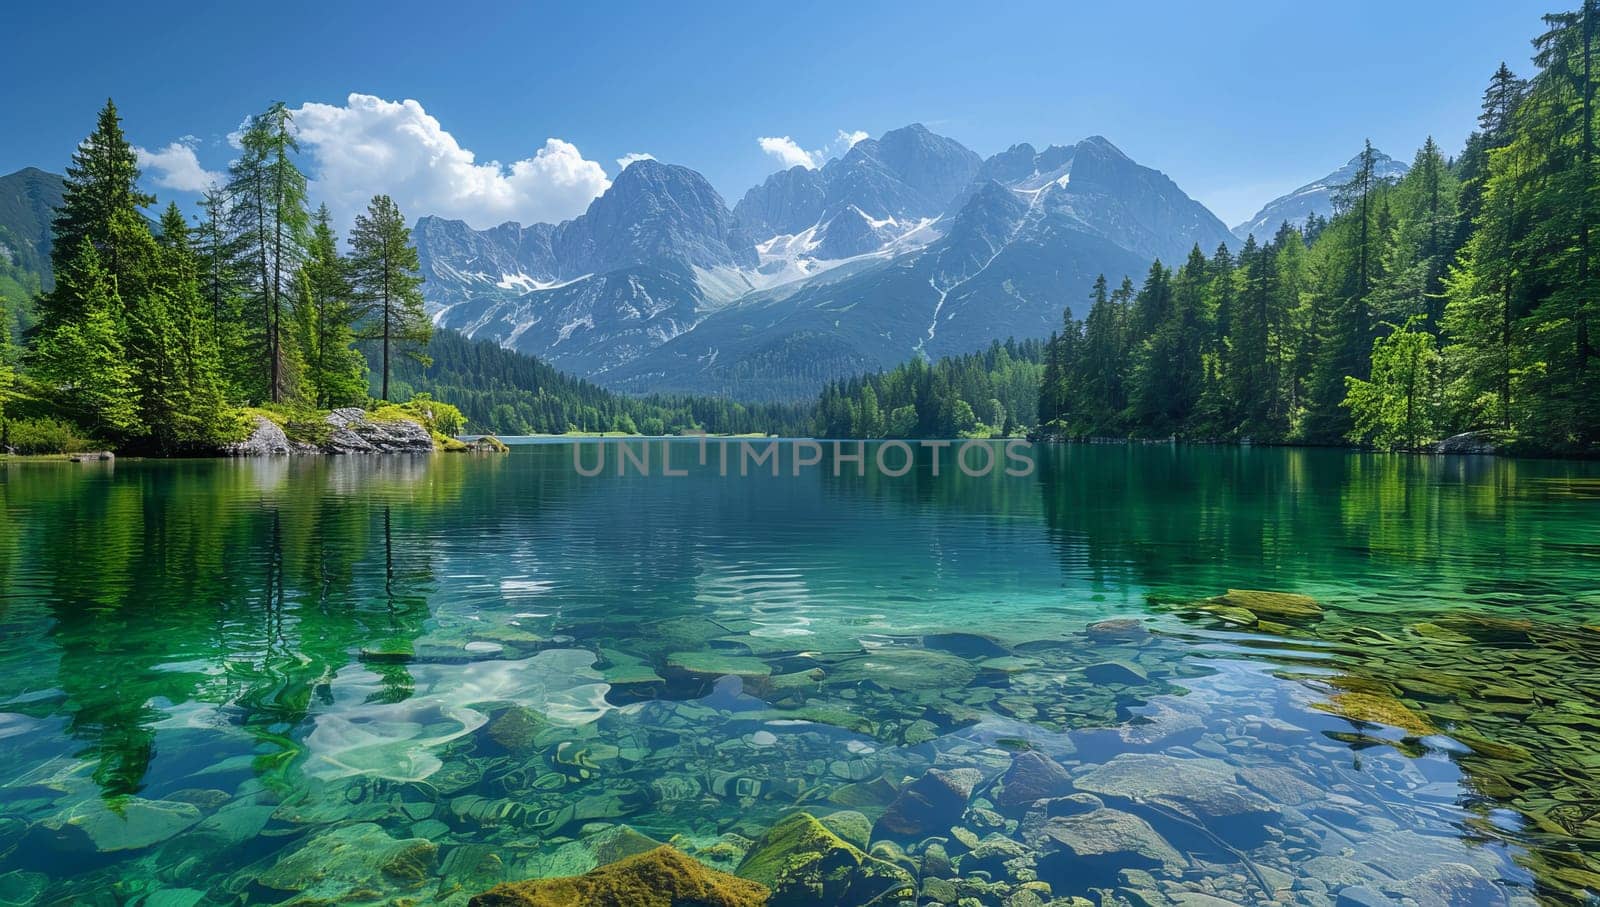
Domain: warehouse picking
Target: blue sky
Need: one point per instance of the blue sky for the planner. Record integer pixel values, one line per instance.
(1238, 102)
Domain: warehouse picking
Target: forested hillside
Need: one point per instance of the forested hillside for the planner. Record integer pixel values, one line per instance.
(1461, 297)
(994, 392)
(506, 392)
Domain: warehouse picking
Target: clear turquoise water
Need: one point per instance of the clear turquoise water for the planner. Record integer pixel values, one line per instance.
(209, 664)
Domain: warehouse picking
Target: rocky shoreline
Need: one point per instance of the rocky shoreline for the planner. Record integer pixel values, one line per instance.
(348, 431)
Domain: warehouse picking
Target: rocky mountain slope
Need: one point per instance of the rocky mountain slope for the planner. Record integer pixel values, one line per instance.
(1315, 197)
(907, 244)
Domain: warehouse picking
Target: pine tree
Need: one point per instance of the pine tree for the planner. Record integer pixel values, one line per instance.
(8, 372)
(336, 372)
(384, 266)
(80, 361)
(101, 184)
(195, 400)
(268, 193)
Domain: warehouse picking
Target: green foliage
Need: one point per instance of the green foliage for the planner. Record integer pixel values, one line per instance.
(504, 392)
(336, 372)
(78, 356)
(268, 218)
(45, 435)
(438, 418)
(950, 398)
(384, 271)
(1398, 407)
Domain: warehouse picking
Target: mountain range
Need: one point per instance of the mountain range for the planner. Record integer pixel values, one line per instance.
(1315, 197)
(28, 202)
(907, 244)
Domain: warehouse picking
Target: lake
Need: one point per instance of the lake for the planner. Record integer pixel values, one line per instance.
(363, 679)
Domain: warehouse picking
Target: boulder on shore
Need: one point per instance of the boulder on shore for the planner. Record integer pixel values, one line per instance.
(1468, 442)
(662, 877)
(266, 439)
(355, 431)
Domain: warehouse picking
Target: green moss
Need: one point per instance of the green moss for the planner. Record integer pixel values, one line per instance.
(804, 864)
(1378, 708)
(662, 877)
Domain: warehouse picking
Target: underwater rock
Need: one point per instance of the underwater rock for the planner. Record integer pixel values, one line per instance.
(171, 897)
(663, 877)
(966, 645)
(905, 670)
(1202, 788)
(618, 843)
(471, 867)
(930, 804)
(1280, 605)
(356, 862)
(1107, 838)
(851, 826)
(1116, 629)
(20, 888)
(1281, 785)
(1032, 776)
(129, 823)
(1377, 708)
(515, 728)
(1122, 672)
(1452, 885)
(991, 856)
(805, 864)
(1362, 896)
(718, 664)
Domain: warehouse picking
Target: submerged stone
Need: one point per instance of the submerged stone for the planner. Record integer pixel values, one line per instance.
(1109, 838)
(1031, 776)
(718, 664)
(1203, 788)
(20, 888)
(851, 826)
(1452, 885)
(1121, 672)
(618, 843)
(130, 823)
(356, 862)
(1116, 629)
(907, 670)
(663, 877)
(1378, 708)
(515, 728)
(930, 804)
(1282, 605)
(805, 864)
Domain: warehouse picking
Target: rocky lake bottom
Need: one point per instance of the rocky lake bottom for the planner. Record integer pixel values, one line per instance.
(1189, 678)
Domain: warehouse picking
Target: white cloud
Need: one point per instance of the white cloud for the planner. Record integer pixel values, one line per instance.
(787, 151)
(849, 139)
(176, 167)
(790, 154)
(630, 157)
(370, 146)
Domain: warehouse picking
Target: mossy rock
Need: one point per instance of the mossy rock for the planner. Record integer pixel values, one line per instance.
(806, 864)
(1282, 605)
(515, 729)
(1378, 708)
(717, 664)
(662, 877)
